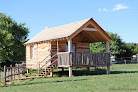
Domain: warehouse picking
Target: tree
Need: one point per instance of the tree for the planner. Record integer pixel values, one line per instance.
(117, 46)
(12, 37)
(136, 50)
(131, 49)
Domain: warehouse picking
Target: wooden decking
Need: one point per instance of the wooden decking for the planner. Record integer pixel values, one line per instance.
(84, 59)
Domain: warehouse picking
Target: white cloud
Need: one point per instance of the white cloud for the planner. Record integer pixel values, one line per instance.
(99, 9)
(119, 7)
(103, 9)
(45, 28)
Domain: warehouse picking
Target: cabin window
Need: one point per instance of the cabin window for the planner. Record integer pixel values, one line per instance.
(32, 52)
(73, 48)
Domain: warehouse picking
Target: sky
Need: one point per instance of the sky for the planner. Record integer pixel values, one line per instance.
(116, 16)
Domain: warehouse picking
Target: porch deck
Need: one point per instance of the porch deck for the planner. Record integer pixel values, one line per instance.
(83, 59)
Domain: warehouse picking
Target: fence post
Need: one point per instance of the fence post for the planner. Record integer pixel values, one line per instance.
(23, 69)
(0, 72)
(18, 71)
(5, 75)
(8, 74)
(125, 64)
(11, 71)
(45, 71)
(14, 73)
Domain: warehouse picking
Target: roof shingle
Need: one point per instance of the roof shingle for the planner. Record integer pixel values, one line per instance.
(57, 32)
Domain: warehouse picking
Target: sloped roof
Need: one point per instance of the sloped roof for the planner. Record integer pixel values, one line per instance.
(57, 32)
(66, 31)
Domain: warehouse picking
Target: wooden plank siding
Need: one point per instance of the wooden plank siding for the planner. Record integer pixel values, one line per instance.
(61, 46)
(77, 41)
(41, 50)
(82, 47)
(75, 59)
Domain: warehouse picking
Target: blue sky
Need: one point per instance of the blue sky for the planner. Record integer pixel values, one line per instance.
(117, 16)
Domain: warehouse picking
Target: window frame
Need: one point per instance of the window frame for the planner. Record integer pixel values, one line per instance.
(73, 49)
(31, 52)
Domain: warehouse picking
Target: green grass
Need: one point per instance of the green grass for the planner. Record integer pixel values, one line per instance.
(121, 79)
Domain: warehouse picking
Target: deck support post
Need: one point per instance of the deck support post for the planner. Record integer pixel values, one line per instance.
(70, 50)
(51, 73)
(107, 47)
(27, 70)
(70, 71)
(107, 50)
(108, 70)
(88, 69)
(95, 68)
(62, 69)
(70, 45)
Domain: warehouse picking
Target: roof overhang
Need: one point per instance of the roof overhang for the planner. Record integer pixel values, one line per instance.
(95, 32)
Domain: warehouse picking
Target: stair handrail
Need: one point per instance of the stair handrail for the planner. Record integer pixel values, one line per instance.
(48, 61)
(45, 62)
(53, 62)
(45, 58)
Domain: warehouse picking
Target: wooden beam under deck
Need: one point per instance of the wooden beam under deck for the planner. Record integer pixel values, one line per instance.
(84, 66)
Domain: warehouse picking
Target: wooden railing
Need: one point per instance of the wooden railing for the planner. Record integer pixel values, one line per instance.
(66, 59)
(12, 73)
(46, 60)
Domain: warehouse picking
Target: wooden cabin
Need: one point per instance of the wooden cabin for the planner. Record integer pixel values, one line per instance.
(67, 46)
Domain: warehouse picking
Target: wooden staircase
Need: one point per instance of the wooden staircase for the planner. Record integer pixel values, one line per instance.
(48, 68)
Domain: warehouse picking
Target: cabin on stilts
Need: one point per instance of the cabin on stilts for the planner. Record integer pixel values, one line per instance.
(67, 46)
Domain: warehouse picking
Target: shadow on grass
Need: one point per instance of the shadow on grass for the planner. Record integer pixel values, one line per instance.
(84, 72)
(118, 72)
(56, 81)
(79, 73)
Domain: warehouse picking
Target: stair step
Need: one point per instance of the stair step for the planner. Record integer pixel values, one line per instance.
(53, 65)
(48, 70)
(41, 75)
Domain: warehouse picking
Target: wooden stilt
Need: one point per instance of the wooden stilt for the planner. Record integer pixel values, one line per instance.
(70, 71)
(0, 72)
(27, 70)
(95, 68)
(70, 50)
(62, 69)
(88, 69)
(51, 73)
(108, 70)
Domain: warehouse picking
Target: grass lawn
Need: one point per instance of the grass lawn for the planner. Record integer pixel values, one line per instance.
(122, 78)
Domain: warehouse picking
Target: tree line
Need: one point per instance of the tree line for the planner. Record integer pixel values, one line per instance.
(117, 47)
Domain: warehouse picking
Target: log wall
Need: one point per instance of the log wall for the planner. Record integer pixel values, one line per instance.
(41, 50)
